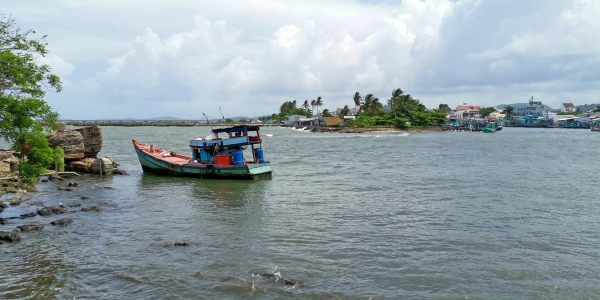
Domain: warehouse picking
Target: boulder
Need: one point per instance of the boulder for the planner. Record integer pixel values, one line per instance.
(92, 140)
(103, 165)
(9, 236)
(70, 141)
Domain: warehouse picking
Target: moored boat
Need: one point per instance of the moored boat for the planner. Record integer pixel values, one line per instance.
(219, 155)
(490, 127)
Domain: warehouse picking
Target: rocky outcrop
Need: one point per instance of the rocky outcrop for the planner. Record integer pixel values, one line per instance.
(92, 140)
(70, 141)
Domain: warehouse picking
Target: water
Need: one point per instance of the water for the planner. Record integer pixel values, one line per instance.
(512, 215)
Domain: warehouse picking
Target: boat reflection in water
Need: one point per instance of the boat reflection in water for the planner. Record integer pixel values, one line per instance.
(231, 193)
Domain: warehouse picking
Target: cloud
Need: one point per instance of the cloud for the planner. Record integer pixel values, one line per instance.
(251, 56)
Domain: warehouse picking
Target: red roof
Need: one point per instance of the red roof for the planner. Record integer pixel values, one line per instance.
(461, 107)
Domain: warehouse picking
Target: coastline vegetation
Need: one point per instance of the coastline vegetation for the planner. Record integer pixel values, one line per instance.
(25, 118)
(402, 111)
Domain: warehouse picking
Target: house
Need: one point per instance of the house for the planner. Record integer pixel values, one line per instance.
(567, 107)
(465, 111)
(532, 108)
(297, 121)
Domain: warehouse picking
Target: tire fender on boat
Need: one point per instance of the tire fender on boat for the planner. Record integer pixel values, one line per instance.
(210, 169)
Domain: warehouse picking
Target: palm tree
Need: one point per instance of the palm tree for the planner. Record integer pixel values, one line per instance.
(371, 104)
(344, 111)
(319, 103)
(357, 100)
(305, 105)
(312, 104)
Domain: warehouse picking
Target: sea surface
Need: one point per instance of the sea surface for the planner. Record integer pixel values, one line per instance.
(433, 215)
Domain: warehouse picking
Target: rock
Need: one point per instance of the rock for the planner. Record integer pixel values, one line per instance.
(106, 203)
(36, 203)
(70, 141)
(9, 236)
(120, 172)
(3, 221)
(4, 205)
(84, 197)
(176, 244)
(74, 205)
(30, 188)
(82, 165)
(92, 208)
(65, 188)
(15, 202)
(103, 165)
(62, 222)
(44, 179)
(30, 227)
(92, 140)
(48, 211)
(29, 215)
(73, 183)
(57, 177)
(11, 190)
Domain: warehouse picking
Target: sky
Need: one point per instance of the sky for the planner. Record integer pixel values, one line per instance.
(146, 59)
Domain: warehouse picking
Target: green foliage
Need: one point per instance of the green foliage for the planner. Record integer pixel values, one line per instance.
(326, 113)
(24, 115)
(487, 111)
(39, 156)
(243, 121)
(58, 156)
(597, 109)
(509, 110)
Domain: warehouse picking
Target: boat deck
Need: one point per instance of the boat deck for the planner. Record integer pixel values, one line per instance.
(178, 159)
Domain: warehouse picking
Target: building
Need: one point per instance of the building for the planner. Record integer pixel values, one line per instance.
(297, 121)
(533, 108)
(567, 107)
(465, 111)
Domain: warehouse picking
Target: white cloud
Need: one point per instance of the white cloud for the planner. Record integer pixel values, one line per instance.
(251, 56)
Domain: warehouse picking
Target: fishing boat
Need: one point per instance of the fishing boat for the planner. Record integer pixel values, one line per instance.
(490, 127)
(219, 155)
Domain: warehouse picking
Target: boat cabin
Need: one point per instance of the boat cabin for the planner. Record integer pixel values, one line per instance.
(225, 146)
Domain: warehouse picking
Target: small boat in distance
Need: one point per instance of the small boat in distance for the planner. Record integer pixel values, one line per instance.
(219, 155)
(490, 127)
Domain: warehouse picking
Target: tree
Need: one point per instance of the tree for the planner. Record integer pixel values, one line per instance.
(313, 104)
(319, 103)
(305, 105)
(444, 108)
(371, 105)
(357, 100)
(487, 111)
(597, 109)
(404, 105)
(509, 110)
(326, 113)
(345, 111)
(24, 115)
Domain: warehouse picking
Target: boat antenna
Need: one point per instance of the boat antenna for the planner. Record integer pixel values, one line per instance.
(207, 122)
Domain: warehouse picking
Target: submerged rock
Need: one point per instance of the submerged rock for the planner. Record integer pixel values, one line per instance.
(92, 208)
(62, 222)
(9, 236)
(48, 211)
(29, 215)
(65, 188)
(3, 221)
(30, 227)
